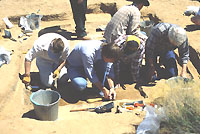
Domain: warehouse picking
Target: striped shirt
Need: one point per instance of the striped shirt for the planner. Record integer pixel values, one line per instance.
(158, 43)
(124, 22)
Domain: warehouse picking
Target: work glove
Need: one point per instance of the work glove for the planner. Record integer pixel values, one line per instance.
(26, 79)
(56, 74)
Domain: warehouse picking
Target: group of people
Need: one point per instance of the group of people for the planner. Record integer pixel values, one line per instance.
(105, 63)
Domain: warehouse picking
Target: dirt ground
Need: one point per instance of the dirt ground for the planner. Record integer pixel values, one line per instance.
(16, 110)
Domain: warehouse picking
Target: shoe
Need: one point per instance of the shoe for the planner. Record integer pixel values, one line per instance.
(84, 38)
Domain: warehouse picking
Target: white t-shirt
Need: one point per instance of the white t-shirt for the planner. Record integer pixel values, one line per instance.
(41, 46)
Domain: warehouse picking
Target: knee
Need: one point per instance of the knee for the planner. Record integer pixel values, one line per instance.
(82, 87)
(47, 81)
(79, 84)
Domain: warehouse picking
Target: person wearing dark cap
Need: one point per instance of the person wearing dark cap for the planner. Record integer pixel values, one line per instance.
(125, 21)
(163, 40)
(51, 51)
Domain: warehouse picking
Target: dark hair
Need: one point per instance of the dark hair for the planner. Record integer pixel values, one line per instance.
(144, 2)
(58, 45)
(111, 50)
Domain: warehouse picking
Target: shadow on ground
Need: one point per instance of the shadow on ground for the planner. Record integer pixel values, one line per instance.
(191, 28)
(35, 81)
(57, 29)
(71, 95)
(30, 114)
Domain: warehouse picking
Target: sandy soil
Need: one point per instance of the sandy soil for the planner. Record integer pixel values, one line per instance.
(16, 110)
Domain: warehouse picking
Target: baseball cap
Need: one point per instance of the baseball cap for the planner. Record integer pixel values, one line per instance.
(132, 44)
(145, 2)
(177, 35)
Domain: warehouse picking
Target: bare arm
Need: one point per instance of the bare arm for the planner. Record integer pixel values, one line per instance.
(112, 93)
(27, 65)
(183, 71)
(151, 69)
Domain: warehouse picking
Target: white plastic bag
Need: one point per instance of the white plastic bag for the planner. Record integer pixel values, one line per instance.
(151, 122)
(191, 10)
(4, 56)
(30, 22)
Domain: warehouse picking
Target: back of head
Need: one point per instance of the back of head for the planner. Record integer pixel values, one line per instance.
(111, 51)
(177, 35)
(57, 45)
(144, 2)
(132, 44)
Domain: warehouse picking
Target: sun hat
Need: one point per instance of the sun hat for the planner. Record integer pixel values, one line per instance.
(177, 35)
(145, 2)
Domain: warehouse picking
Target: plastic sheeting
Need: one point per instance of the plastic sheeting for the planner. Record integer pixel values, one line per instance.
(4, 56)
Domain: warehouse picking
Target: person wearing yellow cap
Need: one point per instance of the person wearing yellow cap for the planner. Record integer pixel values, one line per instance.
(163, 40)
(127, 69)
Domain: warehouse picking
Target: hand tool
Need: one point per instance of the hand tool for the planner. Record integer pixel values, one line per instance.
(99, 109)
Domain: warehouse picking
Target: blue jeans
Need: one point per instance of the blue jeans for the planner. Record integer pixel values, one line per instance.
(78, 76)
(46, 69)
(168, 59)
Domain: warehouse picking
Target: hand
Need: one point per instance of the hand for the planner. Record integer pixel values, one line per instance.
(184, 71)
(112, 94)
(56, 74)
(106, 93)
(184, 75)
(26, 79)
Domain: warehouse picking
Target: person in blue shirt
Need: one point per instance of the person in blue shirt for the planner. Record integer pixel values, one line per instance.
(91, 59)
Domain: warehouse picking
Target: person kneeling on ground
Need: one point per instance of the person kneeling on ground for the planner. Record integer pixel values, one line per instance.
(51, 51)
(92, 59)
(163, 40)
(127, 68)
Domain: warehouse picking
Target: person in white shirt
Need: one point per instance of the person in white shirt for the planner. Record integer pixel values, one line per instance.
(51, 51)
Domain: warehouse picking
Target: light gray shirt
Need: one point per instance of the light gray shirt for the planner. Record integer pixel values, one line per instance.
(85, 54)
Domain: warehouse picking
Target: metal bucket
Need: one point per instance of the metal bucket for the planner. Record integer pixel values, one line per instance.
(46, 104)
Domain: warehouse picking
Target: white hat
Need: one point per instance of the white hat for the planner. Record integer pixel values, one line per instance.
(177, 35)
